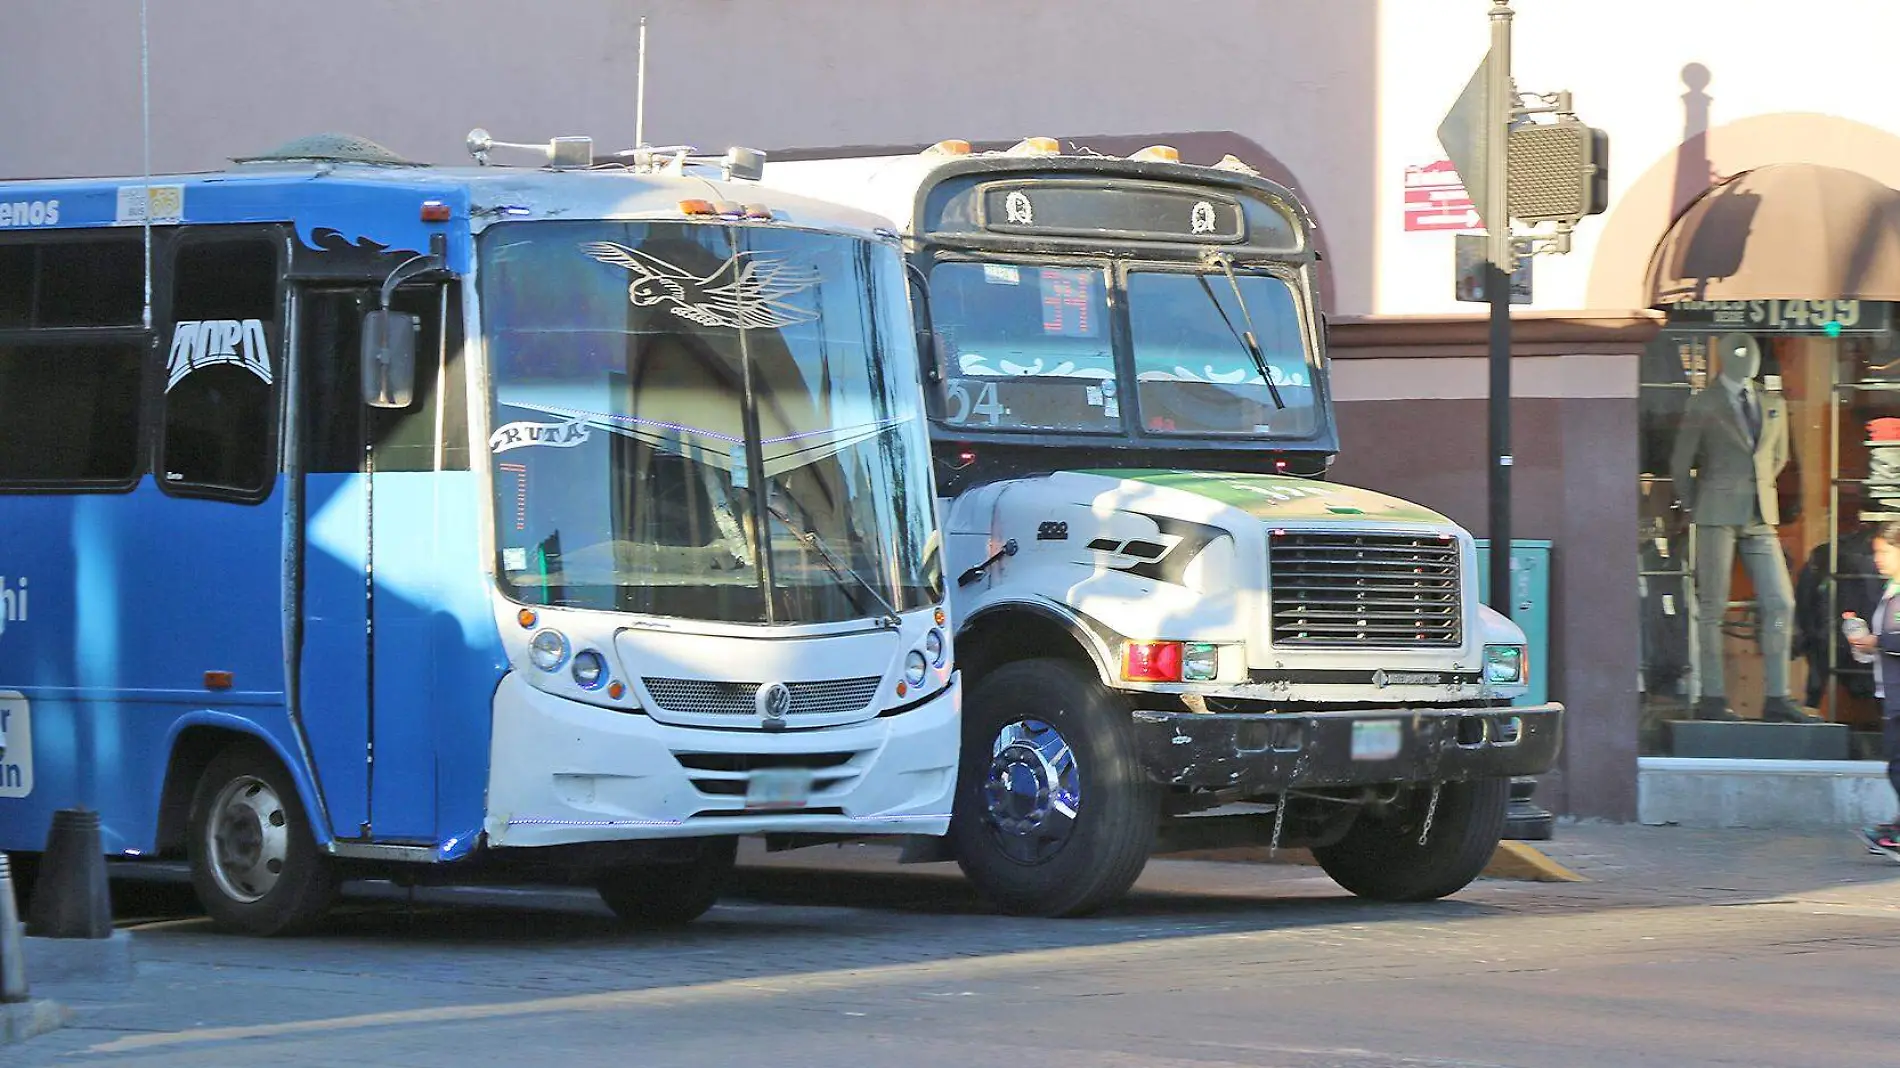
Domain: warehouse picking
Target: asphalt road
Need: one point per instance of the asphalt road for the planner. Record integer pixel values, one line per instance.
(1765, 953)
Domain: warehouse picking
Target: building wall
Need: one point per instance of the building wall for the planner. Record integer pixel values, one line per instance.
(230, 77)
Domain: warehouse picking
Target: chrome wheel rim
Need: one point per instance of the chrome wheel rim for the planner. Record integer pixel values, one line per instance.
(247, 839)
(1033, 793)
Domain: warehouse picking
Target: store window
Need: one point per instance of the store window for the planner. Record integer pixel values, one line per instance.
(1770, 449)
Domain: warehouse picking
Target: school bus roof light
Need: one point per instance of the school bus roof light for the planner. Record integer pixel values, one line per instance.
(435, 211)
(1036, 146)
(1231, 162)
(1158, 154)
(950, 147)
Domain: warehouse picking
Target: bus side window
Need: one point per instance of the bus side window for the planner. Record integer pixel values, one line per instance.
(71, 345)
(223, 360)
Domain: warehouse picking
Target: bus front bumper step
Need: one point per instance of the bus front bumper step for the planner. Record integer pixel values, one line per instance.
(1271, 752)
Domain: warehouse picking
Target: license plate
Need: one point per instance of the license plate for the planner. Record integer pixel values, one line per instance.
(771, 788)
(1376, 739)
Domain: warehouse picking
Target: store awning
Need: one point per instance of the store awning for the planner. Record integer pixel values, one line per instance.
(1785, 231)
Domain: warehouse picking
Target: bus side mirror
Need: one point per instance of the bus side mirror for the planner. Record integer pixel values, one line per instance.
(931, 354)
(389, 359)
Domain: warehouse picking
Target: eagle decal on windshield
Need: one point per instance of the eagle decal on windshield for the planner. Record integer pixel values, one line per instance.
(746, 292)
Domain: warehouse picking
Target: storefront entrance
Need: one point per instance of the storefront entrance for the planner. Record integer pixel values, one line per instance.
(1829, 371)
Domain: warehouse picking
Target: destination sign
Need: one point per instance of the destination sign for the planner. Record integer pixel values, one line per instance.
(1782, 316)
(1094, 209)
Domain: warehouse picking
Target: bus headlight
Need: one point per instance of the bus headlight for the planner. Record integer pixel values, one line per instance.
(915, 668)
(1200, 662)
(590, 670)
(1503, 663)
(934, 648)
(548, 650)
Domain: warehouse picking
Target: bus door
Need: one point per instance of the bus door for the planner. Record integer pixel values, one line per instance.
(373, 562)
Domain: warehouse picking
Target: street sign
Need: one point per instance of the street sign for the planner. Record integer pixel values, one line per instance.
(1471, 258)
(1466, 134)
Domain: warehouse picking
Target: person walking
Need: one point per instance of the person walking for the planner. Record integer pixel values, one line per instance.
(1882, 637)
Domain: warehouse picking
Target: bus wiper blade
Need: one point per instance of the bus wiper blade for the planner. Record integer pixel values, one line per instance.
(1246, 338)
(837, 568)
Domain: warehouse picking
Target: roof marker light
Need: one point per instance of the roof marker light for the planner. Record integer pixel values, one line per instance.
(1231, 162)
(757, 211)
(698, 207)
(435, 211)
(1158, 154)
(1036, 146)
(951, 147)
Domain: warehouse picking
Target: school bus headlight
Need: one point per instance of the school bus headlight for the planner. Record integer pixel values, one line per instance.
(590, 669)
(915, 668)
(934, 647)
(548, 649)
(1504, 663)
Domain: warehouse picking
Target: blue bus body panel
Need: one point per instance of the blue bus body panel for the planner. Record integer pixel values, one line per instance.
(437, 658)
(325, 211)
(133, 597)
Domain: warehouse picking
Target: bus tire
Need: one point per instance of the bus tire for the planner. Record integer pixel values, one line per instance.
(255, 863)
(1381, 858)
(1053, 814)
(656, 896)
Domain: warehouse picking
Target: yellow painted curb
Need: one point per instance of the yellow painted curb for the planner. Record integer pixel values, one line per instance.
(1520, 860)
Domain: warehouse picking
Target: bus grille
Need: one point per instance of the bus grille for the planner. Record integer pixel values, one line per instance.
(1368, 590)
(697, 697)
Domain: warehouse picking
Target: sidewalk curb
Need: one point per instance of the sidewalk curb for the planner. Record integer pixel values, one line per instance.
(79, 960)
(27, 1019)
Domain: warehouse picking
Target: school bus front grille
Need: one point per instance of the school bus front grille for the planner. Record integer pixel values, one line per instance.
(1356, 590)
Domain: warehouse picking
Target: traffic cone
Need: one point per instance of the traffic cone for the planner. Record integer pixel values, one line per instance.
(12, 953)
(70, 897)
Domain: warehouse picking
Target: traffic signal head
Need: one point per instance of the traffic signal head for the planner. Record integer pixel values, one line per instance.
(1559, 171)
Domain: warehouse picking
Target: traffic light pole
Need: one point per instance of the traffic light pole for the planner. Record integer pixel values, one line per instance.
(1500, 101)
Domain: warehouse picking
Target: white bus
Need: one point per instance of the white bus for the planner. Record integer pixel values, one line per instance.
(1175, 632)
(435, 522)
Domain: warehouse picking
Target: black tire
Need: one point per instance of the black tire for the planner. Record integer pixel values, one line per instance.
(1380, 857)
(1016, 864)
(262, 819)
(654, 896)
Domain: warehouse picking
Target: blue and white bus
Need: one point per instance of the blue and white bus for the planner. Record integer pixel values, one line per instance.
(358, 516)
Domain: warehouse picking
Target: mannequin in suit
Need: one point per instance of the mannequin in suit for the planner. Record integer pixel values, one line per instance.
(1733, 445)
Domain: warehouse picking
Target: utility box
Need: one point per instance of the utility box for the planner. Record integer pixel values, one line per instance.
(1530, 605)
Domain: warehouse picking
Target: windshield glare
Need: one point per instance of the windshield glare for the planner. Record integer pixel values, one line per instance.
(1193, 371)
(1032, 347)
(1027, 347)
(632, 472)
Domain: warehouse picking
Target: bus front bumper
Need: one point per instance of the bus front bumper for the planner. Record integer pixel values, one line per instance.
(562, 773)
(1271, 752)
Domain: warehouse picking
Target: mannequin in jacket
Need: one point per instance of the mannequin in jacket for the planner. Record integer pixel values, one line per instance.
(1733, 444)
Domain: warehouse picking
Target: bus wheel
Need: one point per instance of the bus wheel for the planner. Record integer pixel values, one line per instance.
(254, 861)
(1053, 815)
(1381, 858)
(649, 896)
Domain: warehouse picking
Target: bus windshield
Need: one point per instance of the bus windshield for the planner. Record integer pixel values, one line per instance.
(706, 421)
(1032, 347)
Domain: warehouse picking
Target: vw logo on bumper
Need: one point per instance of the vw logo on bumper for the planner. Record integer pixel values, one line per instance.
(774, 700)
